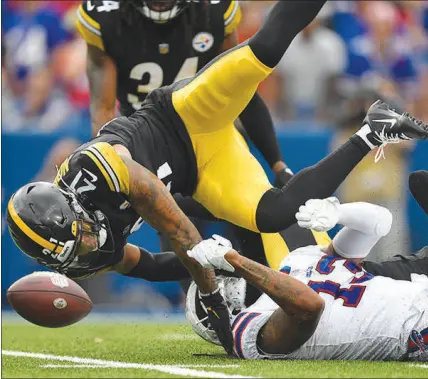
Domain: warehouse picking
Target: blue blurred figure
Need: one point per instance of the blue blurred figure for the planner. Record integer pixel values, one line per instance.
(380, 51)
(31, 31)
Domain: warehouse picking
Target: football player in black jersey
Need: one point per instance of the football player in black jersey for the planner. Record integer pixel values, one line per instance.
(182, 140)
(136, 46)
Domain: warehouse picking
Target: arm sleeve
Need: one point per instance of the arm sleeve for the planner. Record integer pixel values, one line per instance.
(258, 124)
(161, 267)
(400, 267)
(364, 225)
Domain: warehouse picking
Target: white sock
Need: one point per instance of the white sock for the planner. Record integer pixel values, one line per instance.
(363, 132)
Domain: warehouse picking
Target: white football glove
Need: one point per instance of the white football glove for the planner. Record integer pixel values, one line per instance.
(319, 215)
(210, 253)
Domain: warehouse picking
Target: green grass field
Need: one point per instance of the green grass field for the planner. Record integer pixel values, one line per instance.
(150, 350)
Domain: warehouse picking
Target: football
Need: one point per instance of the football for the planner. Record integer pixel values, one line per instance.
(49, 299)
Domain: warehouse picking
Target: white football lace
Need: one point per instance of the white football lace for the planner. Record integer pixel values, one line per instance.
(386, 140)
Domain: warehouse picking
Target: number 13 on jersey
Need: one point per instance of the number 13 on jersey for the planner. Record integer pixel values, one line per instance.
(352, 295)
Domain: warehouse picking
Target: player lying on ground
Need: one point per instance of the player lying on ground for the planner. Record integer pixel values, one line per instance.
(182, 140)
(321, 304)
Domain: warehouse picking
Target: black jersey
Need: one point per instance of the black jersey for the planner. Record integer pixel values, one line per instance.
(97, 173)
(151, 55)
(157, 139)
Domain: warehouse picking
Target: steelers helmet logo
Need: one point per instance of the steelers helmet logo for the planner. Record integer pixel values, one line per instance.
(203, 42)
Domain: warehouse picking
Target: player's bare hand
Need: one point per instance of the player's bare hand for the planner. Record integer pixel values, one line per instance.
(211, 253)
(319, 215)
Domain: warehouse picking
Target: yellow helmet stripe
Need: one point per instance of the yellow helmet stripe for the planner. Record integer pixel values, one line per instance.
(31, 234)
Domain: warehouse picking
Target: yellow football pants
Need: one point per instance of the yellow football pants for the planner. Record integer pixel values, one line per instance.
(230, 180)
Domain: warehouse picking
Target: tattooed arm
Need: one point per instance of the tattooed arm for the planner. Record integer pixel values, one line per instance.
(291, 325)
(295, 321)
(153, 202)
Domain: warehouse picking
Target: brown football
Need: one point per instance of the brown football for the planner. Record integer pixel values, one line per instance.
(49, 299)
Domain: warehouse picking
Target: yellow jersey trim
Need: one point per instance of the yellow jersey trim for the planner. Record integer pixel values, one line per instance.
(101, 168)
(111, 165)
(89, 28)
(232, 17)
(30, 233)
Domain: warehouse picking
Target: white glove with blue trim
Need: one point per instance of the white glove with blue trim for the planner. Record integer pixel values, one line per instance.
(210, 253)
(319, 215)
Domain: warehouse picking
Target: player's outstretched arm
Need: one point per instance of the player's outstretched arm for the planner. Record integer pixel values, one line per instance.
(153, 202)
(137, 262)
(101, 71)
(300, 307)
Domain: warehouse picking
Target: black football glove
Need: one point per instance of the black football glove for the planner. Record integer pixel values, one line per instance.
(282, 177)
(218, 317)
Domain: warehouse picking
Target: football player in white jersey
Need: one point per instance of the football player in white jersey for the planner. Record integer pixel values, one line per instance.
(322, 304)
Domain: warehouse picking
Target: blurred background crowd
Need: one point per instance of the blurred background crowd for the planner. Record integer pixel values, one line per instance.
(352, 54)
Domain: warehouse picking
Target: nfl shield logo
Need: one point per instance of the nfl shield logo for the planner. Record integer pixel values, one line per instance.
(164, 48)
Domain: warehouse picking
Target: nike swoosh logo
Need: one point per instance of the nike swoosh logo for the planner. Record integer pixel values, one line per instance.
(391, 121)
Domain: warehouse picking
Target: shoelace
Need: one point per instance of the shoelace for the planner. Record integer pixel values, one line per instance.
(386, 140)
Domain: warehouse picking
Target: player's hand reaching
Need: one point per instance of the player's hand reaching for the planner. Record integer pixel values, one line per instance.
(210, 253)
(319, 215)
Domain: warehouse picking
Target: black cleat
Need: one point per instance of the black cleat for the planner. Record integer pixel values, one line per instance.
(386, 126)
(385, 123)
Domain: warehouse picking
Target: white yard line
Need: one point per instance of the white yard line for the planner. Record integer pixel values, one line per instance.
(74, 366)
(419, 365)
(173, 370)
(108, 366)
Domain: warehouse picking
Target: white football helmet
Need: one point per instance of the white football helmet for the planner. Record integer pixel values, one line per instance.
(233, 291)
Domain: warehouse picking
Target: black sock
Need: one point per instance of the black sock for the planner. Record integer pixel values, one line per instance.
(277, 208)
(286, 19)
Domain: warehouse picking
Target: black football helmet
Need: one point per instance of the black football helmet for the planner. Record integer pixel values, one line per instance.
(51, 226)
(161, 10)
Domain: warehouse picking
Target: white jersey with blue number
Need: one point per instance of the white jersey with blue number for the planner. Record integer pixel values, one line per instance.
(365, 317)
